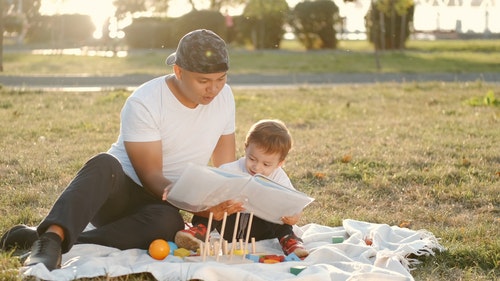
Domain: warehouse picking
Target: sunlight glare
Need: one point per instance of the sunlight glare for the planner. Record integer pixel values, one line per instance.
(98, 10)
(177, 8)
(426, 17)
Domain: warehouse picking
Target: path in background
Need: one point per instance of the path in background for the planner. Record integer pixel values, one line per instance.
(96, 83)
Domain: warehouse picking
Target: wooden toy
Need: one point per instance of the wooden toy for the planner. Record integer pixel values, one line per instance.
(219, 251)
(212, 251)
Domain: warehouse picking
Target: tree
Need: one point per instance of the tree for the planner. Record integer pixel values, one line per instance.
(1, 37)
(388, 23)
(30, 8)
(128, 7)
(10, 13)
(125, 8)
(218, 5)
(313, 24)
(263, 23)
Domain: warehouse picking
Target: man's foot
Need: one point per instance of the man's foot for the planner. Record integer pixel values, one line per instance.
(191, 238)
(19, 236)
(293, 244)
(46, 250)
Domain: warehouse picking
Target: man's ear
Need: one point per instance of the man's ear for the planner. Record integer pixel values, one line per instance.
(177, 72)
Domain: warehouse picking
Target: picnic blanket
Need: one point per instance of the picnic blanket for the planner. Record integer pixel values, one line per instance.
(389, 257)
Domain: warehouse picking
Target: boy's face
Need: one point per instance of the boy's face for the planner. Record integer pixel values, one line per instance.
(259, 162)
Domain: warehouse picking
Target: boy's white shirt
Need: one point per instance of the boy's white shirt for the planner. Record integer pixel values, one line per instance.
(278, 175)
(153, 113)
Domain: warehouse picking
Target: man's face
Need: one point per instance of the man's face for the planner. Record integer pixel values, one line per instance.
(200, 88)
(259, 162)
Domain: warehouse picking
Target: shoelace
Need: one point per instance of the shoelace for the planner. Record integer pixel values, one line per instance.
(42, 245)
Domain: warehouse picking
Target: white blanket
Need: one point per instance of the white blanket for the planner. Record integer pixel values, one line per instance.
(386, 259)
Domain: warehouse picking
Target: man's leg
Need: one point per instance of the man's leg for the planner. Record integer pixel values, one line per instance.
(99, 179)
(139, 229)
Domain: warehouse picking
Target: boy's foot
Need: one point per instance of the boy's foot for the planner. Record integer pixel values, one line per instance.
(19, 236)
(293, 244)
(46, 250)
(191, 238)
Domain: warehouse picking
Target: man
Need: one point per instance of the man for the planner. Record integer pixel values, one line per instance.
(187, 116)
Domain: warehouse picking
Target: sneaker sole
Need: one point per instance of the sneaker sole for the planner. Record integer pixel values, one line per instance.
(187, 241)
(299, 252)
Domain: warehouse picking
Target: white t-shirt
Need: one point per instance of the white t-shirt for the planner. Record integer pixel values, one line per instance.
(153, 113)
(278, 175)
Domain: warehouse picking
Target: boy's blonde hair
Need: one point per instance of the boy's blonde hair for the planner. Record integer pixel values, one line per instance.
(272, 136)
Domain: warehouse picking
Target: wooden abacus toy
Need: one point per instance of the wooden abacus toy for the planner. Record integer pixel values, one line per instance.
(218, 251)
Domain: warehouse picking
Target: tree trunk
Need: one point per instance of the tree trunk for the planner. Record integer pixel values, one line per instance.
(393, 27)
(382, 30)
(1, 34)
(402, 37)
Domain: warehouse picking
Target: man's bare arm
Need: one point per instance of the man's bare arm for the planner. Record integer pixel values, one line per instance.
(146, 158)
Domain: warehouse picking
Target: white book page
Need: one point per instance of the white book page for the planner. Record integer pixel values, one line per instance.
(270, 201)
(201, 187)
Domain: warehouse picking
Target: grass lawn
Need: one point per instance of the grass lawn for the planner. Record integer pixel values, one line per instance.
(452, 56)
(422, 154)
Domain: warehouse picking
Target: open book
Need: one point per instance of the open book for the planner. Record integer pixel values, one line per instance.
(200, 187)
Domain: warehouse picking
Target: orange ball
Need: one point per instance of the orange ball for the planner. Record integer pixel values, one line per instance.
(159, 249)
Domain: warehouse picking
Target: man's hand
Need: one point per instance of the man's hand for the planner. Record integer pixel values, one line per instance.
(292, 219)
(229, 206)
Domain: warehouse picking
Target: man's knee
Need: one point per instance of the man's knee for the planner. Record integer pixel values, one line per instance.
(165, 219)
(105, 160)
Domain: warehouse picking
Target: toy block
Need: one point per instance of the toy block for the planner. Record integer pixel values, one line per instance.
(337, 239)
(252, 257)
(277, 258)
(181, 252)
(292, 257)
(295, 270)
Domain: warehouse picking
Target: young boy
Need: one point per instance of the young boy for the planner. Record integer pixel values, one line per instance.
(266, 146)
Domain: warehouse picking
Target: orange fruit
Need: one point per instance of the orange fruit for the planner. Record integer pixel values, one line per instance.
(159, 249)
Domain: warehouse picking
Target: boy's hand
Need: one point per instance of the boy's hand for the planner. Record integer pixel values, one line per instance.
(292, 219)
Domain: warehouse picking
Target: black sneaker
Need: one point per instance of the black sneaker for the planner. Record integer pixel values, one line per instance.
(46, 250)
(19, 236)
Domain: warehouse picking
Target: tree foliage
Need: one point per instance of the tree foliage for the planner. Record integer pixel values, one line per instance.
(61, 30)
(206, 19)
(29, 8)
(388, 23)
(164, 32)
(262, 23)
(148, 32)
(16, 16)
(313, 24)
(128, 7)
(218, 5)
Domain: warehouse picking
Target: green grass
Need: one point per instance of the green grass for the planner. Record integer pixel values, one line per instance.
(452, 56)
(419, 153)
